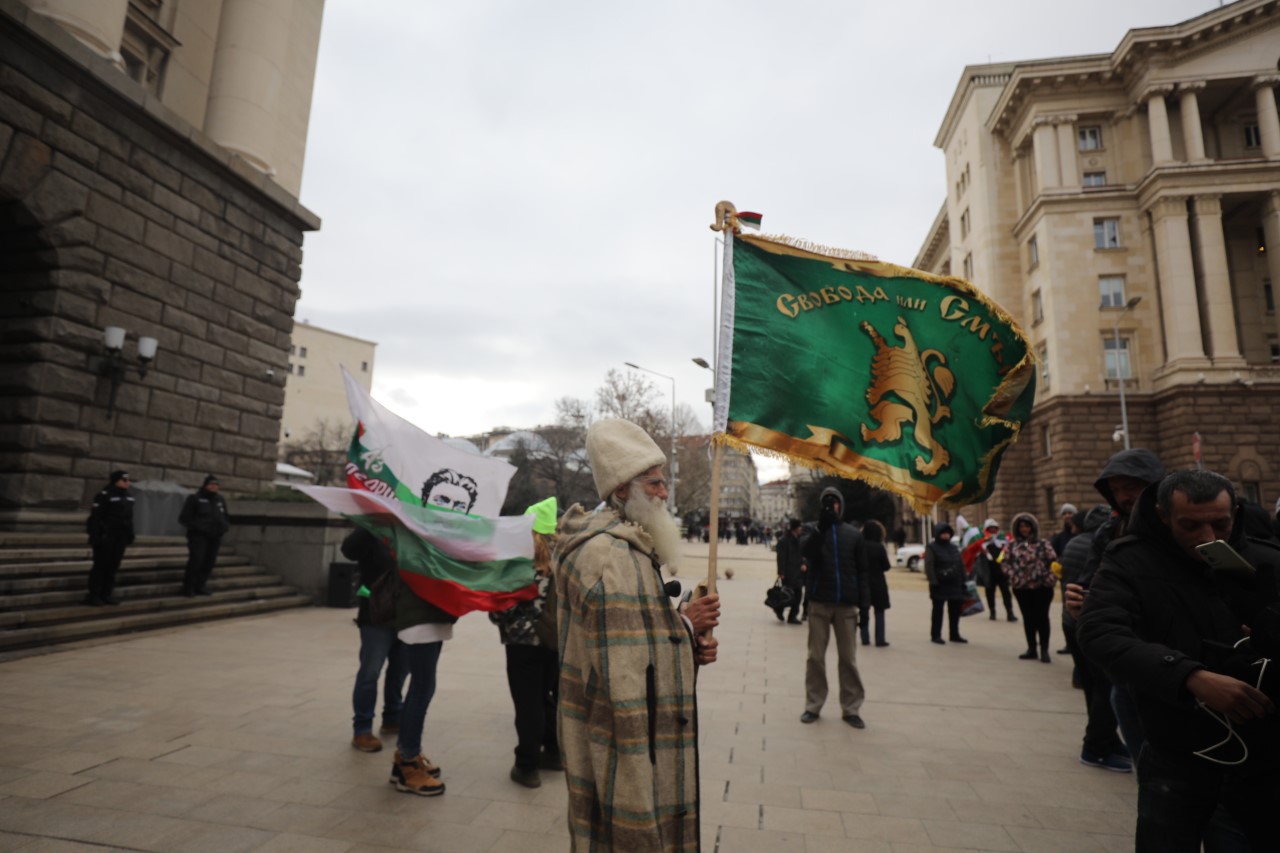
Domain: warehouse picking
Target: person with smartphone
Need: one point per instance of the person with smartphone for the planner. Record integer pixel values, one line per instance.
(1156, 619)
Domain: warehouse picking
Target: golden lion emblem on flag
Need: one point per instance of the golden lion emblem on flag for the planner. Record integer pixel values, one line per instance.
(905, 373)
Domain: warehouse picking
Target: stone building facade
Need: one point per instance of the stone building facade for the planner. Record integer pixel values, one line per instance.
(1125, 209)
(147, 183)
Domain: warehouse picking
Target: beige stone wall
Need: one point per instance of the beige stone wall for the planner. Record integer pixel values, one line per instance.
(1193, 202)
(314, 391)
(242, 71)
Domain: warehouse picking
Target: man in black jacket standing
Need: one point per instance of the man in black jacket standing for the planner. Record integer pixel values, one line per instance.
(1164, 625)
(835, 574)
(790, 559)
(205, 516)
(110, 527)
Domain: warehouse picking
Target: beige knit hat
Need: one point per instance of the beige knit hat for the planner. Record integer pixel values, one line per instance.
(619, 451)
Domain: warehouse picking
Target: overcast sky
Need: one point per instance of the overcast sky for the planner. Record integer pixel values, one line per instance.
(516, 195)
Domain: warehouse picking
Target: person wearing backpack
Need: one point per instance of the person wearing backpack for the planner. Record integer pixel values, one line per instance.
(378, 646)
(528, 636)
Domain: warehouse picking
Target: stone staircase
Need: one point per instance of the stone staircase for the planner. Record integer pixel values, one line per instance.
(43, 578)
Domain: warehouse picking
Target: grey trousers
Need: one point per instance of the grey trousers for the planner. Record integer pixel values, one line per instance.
(822, 619)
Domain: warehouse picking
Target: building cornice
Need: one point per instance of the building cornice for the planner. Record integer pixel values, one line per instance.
(939, 232)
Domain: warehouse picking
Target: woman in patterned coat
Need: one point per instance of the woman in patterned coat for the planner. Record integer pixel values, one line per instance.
(1028, 561)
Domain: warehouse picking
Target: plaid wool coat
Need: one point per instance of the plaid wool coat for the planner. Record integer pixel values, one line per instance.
(627, 715)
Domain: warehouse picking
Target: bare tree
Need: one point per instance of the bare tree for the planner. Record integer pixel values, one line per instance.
(633, 397)
(322, 451)
(573, 413)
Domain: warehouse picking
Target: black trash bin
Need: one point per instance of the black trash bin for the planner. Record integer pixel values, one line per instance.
(344, 580)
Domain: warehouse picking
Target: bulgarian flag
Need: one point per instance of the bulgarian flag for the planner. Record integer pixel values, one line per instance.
(458, 562)
(911, 382)
(750, 220)
(435, 507)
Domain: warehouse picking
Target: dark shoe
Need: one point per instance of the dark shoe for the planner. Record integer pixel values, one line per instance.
(781, 618)
(390, 728)
(188, 593)
(1114, 763)
(959, 640)
(111, 600)
(855, 721)
(203, 592)
(367, 742)
(550, 761)
(1029, 654)
(1011, 618)
(1064, 651)
(527, 777)
(993, 616)
(866, 641)
(793, 621)
(92, 601)
(882, 645)
(808, 717)
(938, 640)
(1075, 682)
(1044, 656)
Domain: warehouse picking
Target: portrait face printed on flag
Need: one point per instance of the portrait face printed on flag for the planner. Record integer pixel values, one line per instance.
(447, 489)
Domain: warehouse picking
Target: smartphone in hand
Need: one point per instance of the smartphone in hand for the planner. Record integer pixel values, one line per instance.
(1223, 558)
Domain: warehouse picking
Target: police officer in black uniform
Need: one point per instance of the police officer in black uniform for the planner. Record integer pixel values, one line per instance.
(205, 517)
(110, 527)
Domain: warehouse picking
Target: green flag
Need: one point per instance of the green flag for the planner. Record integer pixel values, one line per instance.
(912, 382)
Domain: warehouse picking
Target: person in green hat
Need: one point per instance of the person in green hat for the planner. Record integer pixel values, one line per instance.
(533, 665)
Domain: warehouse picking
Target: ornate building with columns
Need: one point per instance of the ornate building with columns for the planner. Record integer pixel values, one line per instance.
(151, 157)
(1125, 209)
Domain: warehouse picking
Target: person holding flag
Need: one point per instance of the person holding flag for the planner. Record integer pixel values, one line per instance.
(628, 660)
(528, 636)
(985, 556)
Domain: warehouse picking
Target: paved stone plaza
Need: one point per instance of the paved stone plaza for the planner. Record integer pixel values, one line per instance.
(233, 736)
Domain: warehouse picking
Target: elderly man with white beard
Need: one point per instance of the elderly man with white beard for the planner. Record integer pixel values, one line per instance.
(627, 715)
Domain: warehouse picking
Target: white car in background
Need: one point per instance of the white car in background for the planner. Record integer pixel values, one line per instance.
(910, 556)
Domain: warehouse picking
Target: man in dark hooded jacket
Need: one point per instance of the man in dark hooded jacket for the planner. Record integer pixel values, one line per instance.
(1168, 628)
(1102, 747)
(835, 561)
(1122, 480)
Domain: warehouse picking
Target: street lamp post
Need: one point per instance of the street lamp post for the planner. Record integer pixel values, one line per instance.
(1124, 409)
(671, 496)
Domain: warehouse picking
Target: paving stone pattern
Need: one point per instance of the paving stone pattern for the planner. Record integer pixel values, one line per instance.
(234, 736)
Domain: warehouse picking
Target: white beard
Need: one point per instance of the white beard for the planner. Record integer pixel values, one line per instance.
(651, 514)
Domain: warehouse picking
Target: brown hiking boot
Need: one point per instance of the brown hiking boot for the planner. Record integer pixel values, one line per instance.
(423, 763)
(412, 778)
(367, 742)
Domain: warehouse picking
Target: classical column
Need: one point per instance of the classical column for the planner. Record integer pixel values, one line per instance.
(1178, 301)
(1045, 142)
(1271, 232)
(1264, 93)
(1192, 131)
(1158, 124)
(1068, 164)
(1219, 308)
(248, 75)
(98, 24)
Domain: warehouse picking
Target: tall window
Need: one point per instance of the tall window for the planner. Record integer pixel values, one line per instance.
(1116, 358)
(1268, 296)
(1042, 356)
(1106, 233)
(1090, 138)
(302, 370)
(1252, 136)
(968, 266)
(1111, 291)
(1275, 353)
(964, 224)
(302, 353)
(1033, 253)
(1037, 308)
(364, 367)
(1095, 179)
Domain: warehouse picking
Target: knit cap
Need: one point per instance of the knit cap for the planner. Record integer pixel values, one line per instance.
(619, 451)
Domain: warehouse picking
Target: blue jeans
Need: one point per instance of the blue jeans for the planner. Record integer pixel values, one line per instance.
(420, 661)
(378, 646)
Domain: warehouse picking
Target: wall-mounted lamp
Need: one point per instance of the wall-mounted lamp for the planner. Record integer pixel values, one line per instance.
(112, 365)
